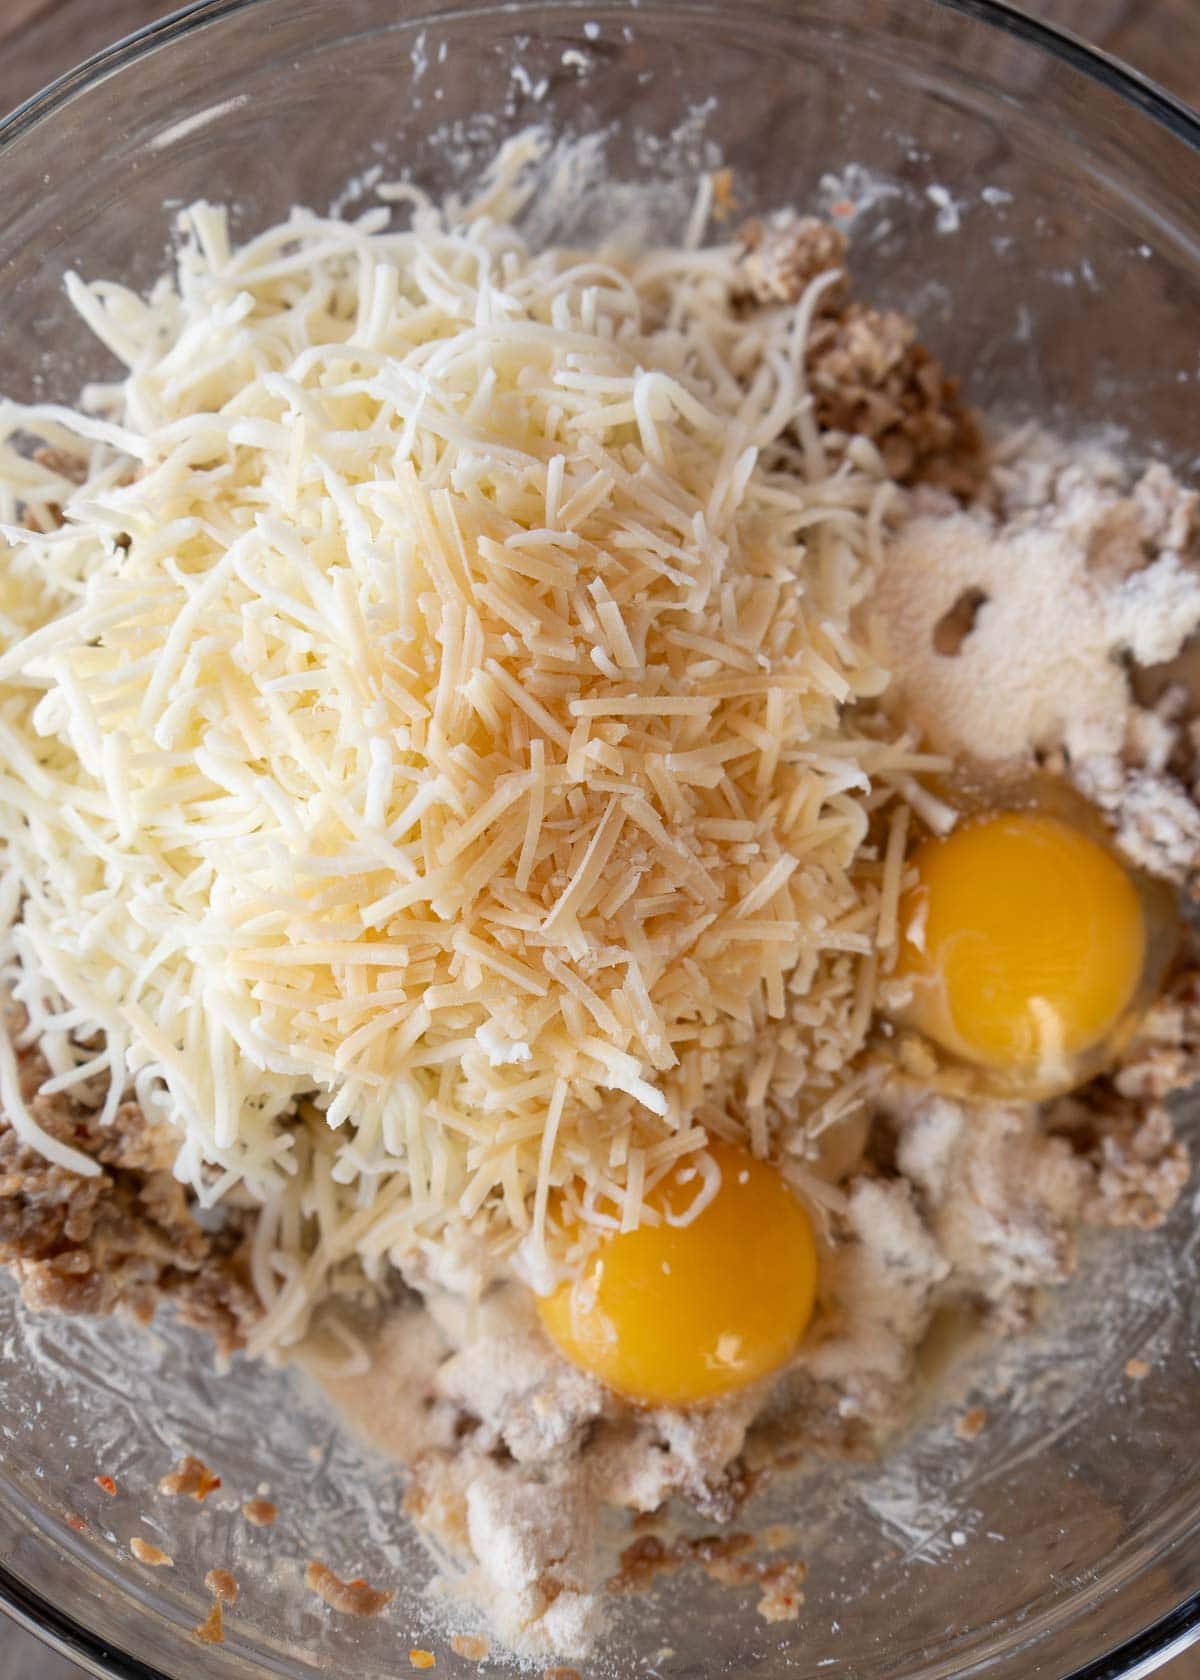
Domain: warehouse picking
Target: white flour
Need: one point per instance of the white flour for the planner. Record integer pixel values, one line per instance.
(1060, 584)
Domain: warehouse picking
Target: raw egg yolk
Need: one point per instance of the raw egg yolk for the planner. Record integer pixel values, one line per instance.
(673, 1314)
(1026, 941)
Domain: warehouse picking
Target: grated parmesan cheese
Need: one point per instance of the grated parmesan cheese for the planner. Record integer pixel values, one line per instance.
(425, 758)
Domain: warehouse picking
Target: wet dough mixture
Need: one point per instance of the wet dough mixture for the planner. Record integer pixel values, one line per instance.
(1030, 597)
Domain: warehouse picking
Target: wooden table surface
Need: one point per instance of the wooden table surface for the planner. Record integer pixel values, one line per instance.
(41, 38)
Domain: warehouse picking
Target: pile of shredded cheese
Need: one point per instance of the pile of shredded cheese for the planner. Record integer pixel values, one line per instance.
(426, 772)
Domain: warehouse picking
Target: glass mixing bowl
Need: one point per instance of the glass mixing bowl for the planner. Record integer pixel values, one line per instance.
(1035, 207)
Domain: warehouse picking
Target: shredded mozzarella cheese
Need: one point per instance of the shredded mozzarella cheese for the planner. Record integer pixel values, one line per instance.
(424, 737)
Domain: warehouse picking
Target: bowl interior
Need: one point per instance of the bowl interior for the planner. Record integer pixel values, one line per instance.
(1039, 224)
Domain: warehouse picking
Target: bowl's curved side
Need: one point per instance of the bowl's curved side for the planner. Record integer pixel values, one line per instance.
(1169, 1638)
(34, 1612)
(1066, 293)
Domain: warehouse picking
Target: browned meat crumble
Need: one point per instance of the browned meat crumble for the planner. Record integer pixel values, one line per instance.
(151, 1555)
(350, 1598)
(125, 1240)
(868, 375)
(223, 1585)
(211, 1630)
(191, 1479)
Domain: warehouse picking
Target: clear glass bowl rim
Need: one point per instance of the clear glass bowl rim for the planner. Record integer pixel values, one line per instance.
(1173, 1633)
